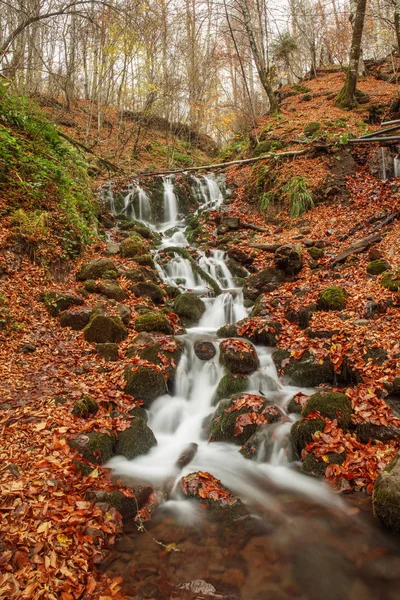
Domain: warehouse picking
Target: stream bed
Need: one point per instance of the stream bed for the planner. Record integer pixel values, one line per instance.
(302, 540)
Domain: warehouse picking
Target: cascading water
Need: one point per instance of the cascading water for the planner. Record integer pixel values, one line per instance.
(209, 192)
(294, 548)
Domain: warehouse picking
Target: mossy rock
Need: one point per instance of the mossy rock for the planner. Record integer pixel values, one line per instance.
(95, 269)
(134, 275)
(147, 347)
(386, 496)
(189, 308)
(76, 319)
(376, 267)
(267, 146)
(316, 468)
(332, 405)
(332, 298)
(103, 329)
(302, 433)
(238, 356)
(90, 285)
(138, 439)
(85, 407)
(315, 253)
(227, 331)
(108, 351)
(288, 259)
(391, 281)
(267, 280)
(225, 424)
(148, 289)
(313, 128)
(94, 447)
(145, 260)
(133, 246)
(307, 371)
(293, 407)
(172, 291)
(56, 302)
(111, 289)
(228, 385)
(153, 322)
(144, 383)
(110, 275)
(125, 505)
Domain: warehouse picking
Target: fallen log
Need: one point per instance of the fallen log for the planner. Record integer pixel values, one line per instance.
(254, 227)
(356, 248)
(266, 247)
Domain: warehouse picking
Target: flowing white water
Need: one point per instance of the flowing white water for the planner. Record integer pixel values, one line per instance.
(170, 202)
(209, 192)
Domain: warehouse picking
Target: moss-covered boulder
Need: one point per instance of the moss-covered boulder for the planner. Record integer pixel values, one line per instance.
(153, 322)
(124, 313)
(108, 351)
(317, 467)
(302, 433)
(332, 298)
(90, 286)
(259, 331)
(76, 319)
(391, 281)
(288, 259)
(111, 289)
(144, 383)
(127, 506)
(110, 275)
(134, 275)
(133, 246)
(267, 280)
(229, 384)
(237, 419)
(226, 331)
(163, 351)
(148, 289)
(85, 407)
(56, 302)
(301, 317)
(240, 256)
(386, 496)
(189, 308)
(144, 260)
(95, 447)
(238, 356)
(136, 440)
(332, 405)
(376, 267)
(104, 329)
(306, 371)
(267, 146)
(95, 269)
(207, 489)
(316, 253)
(367, 431)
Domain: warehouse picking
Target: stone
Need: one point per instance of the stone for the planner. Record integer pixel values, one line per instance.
(302, 433)
(370, 431)
(307, 371)
(111, 289)
(133, 246)
(386, 496)
(316, 468)
(95, 269)
(162, 351)
(134, 275)
(124, 313)
(376, 267)
(94, 446)
(332, 298)
(301, 317)
(261, 446)
(144, 383)
(112, 248)
(391, 281)
(228, 385)
(85, 407)
(138, 439)
(108, 351)
(103, 329)
(148, 289)
(76, 319)
(189, 308)
(332, 405)
(316, 253)
(204, 350)
(266, 280)
(238, 356)
(153, 322)
(288, 259)
(240, 256)
(56, 302)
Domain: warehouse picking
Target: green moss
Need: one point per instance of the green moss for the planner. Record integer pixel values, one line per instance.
(189, 308)
(95, 269)
(85, 407)
(108, 351)
(133, 246)
(227, 331)
(144, 383)
(332, 405)
(90, 285)
(267, 146)
(55, 302)
(332, 298)
(311, 129)
(228, 385)
(302, 432)
(153, 322)
(391, 281)
(111, 289)
(110, 274)
(300, 88)
(138, 439)
(316, 468)
(105, 329)
(145, 260)
(148, 289)
(244, 360)
(94, 446)
(376, 267)
(134, 275)
(315, 253)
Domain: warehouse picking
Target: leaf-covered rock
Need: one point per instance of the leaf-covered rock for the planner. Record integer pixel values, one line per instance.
(136, 440)
(332, 405)
(267, 280)
(94, 446)
(238, 356)
(76, 319)
(229, 384)
(288, 259)
(133, 246)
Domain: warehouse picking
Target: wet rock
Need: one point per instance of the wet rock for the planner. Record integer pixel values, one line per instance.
(301, 317)
(386, 496)
(302, 433)
(237, 419)
(95, 269)
(384, 433)
(56, 302)
(307, 371)
(94, 447)
(164, 351)
(85, 407)
(111, 289)
(332, 298)
(238, 356)
(134, 275)
(124, 313)
(260, 446)
(125, 505)
(103, 329)
(293, 407)
(240, 256)
(108, 351)
(144, 383)
(316, 468)
(288, 259)
(138, 439)
(153, 322)
(373, 309)
(76, 319)
(229, 384)
(204, 350)
(331, 405)
(187, 456)
(189, 308)
(148, 289)
(133, 246)
(267, 280)
(200, 590)
(207, 489)
(236, 269)
(226, 331)
(376, 267)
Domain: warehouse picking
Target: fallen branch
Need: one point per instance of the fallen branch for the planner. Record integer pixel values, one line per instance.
(107, 164)
(266, 247)
(356, 248)
(253, 227)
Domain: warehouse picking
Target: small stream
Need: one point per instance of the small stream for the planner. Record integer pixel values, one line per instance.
(304, 541)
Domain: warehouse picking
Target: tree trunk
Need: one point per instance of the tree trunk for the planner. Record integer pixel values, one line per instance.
(397, 24)
(347, 95)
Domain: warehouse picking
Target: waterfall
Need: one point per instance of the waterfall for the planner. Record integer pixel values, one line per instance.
(383, 154)
(209, 192)
(170, 202)
(137, 204)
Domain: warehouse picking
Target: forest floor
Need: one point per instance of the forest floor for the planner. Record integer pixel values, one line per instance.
(52, 537)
